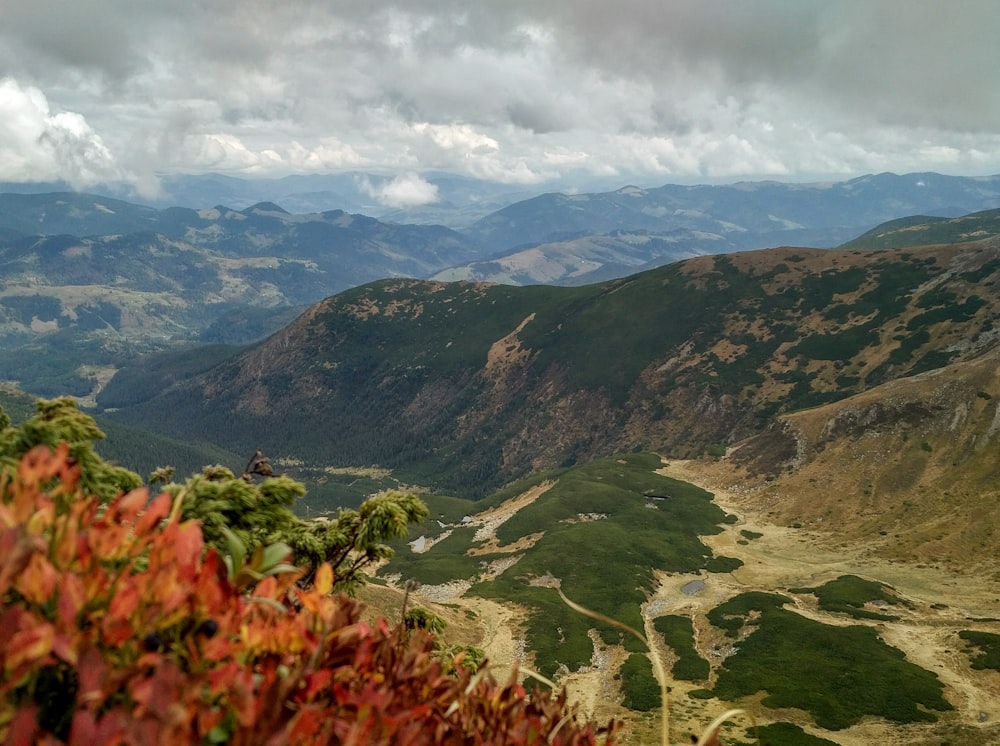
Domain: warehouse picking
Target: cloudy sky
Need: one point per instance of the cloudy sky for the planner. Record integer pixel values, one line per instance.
(520, 91)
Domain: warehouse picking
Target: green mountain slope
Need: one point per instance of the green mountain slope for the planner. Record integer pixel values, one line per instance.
(467, 386)
(140, 451)
(90, 281)
(921, 230)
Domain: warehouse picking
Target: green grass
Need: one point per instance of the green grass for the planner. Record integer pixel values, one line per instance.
(838, 674)
(446, 561)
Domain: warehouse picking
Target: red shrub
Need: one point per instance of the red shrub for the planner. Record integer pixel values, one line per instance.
(118, 627)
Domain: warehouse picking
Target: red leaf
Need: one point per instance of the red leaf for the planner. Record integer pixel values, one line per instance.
(188, 544)
(72, 597)
(92, 673)
(155, 512)
(84, 728)
(23, 727)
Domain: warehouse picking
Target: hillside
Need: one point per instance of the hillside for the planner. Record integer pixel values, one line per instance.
(909, 467)
(466, 386)
(590, 258)
(921, 230)
(91, 281)
(750, 214)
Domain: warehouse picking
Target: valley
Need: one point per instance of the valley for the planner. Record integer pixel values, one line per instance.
(937, 605)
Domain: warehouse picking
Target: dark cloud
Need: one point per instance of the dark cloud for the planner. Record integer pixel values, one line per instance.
(514, 89)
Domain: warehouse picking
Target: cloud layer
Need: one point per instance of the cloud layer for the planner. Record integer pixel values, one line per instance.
(511, 90)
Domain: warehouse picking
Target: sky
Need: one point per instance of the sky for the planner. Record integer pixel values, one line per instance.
(517, 91)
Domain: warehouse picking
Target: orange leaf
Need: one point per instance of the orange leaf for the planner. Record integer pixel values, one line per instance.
(62, 646)
(30, 644)
(324, 579)
(16, 551)
(41, 519)
(72, 597)
(310, 600)
(37, 582)
(67, 548)
(124, 602)
(127, 506)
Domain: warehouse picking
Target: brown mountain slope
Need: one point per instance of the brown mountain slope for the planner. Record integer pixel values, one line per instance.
(911, 466)
(468, 385)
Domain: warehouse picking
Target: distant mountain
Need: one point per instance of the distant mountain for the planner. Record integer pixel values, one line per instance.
(923, 230)
(260, 256)
(457, 201)
(750, 214)
(88, 280)
(590, 258)
(466, 386)
(72, 213)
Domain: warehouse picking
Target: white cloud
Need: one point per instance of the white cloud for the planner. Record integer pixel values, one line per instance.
(37, 145)
(328, 155)
(515, 91)
(459, 136)
(406, 190)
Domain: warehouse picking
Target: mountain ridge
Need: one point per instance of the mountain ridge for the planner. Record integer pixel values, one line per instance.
(476, 384)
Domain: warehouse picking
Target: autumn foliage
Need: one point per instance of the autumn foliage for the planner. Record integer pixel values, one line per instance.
(119, 626)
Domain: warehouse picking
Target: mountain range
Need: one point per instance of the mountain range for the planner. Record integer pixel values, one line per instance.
(470, 385)
(90, 281)
(840, 406)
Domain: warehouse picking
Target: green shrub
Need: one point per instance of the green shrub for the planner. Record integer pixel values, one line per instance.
(848, 594)
(837, 674)
(639, 687)
(786, 734)
(678, 634)
(715, 450)
(988, 646)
